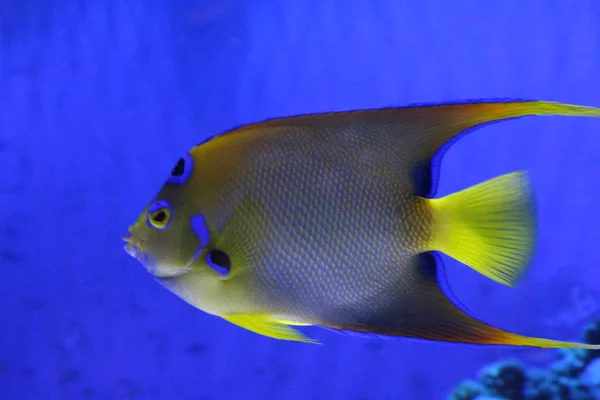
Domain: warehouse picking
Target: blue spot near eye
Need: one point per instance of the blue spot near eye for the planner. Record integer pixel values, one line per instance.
(219, 261)
(157, 205)
(182, 171)
(200, 229)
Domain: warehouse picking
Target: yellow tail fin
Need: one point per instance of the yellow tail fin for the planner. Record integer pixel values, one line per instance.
(490, 227)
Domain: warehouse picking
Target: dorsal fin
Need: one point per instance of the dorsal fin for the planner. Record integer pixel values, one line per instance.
(418, 134)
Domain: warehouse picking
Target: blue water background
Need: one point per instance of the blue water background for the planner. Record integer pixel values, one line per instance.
(98, 99)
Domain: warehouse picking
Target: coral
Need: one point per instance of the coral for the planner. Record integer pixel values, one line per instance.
(575, 376)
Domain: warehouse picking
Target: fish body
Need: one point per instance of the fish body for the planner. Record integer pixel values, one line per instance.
(330, 220)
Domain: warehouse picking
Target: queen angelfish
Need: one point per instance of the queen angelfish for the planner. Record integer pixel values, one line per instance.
(331, 220)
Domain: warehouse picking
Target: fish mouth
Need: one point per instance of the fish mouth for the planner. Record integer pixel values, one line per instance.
(135, 249)
(132, 246)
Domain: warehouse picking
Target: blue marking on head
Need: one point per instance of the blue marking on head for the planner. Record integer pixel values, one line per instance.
(157, 206)
(200, 229)
(182, 171)
(216, 259)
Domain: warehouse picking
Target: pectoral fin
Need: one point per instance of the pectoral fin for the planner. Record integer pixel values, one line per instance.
(268, 326)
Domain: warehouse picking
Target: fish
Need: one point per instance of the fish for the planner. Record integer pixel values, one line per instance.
(331, 220)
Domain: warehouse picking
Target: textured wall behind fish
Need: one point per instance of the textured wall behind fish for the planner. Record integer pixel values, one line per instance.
(99, 99)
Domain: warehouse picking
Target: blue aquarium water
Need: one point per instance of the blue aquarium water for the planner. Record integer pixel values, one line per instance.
(98, 99)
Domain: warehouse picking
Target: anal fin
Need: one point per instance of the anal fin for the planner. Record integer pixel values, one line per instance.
(421, 310)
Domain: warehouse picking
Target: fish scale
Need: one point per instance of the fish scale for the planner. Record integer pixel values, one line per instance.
(318, 219)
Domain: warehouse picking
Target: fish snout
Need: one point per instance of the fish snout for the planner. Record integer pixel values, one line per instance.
(130, 247)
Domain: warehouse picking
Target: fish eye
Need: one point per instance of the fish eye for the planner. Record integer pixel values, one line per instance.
(159, 215)
(159, 219)
(219, 261)
(182, 171)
